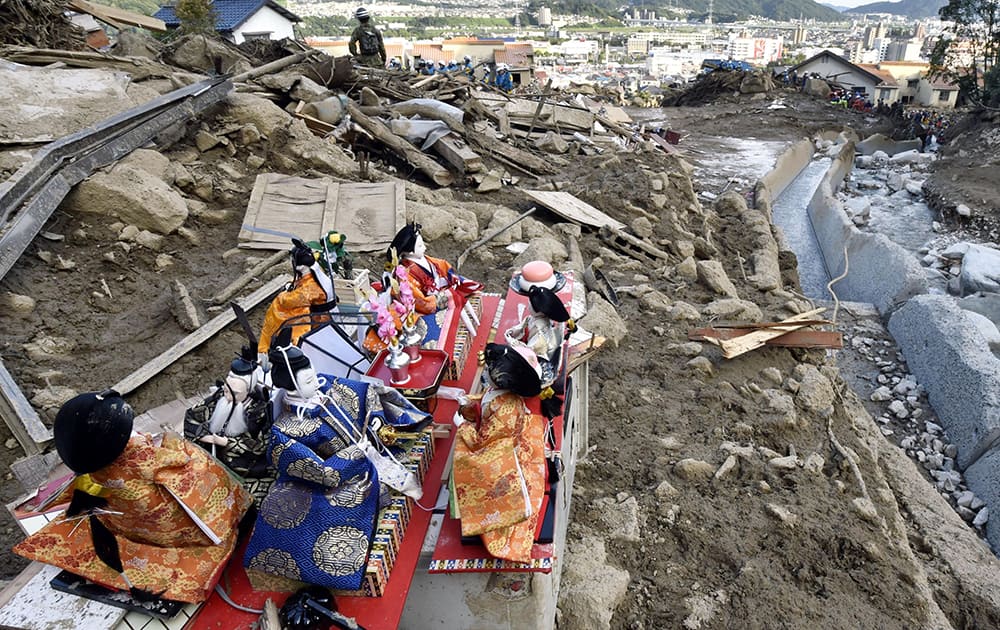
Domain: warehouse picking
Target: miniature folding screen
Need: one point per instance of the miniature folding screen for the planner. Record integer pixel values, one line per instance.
(333, 351)
(282, 206)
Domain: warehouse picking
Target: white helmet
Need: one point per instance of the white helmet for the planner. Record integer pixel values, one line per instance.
(362, 13)
(502, 67)
(466, 59)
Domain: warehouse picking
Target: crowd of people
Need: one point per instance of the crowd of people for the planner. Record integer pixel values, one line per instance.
(368, 49)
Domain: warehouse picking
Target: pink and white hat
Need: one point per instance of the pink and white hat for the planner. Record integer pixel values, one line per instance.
(537, 273)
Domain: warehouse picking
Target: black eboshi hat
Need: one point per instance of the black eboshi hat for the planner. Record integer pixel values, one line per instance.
(513, 370)
(92, 429)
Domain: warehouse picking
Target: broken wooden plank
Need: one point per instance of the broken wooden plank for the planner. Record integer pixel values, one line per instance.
(663, 144)
(114, 15)
(458, 154)
(569, 207)
(636, 247)
(794, 339)
(488, 146)
(20, 416)
(31, 604)
(136, 379)
(732, 348)
(437, 173)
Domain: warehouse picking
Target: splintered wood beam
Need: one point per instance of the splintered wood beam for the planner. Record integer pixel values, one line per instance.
(795, 339)
(136, 379)
(458, 154)
(20, 416)
(732, 348)
(438, 174)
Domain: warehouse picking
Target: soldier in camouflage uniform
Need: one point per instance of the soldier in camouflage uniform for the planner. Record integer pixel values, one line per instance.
(366, 41)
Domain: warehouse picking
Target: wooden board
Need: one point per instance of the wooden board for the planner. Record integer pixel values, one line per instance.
(458, 154)
(569, 207)
(794, 339)
(33, 605)
(115, 16)
(20, 416)
(369, 214)
(732, 348)
(134, 380)
(281, 205)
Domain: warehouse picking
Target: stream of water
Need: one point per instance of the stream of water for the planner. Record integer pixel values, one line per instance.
(789, 213)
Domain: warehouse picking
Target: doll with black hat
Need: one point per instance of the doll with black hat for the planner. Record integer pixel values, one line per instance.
(310, 292)
(319, 516)
(435, 283)
(153, 515)
(544, 329)
(499, 461)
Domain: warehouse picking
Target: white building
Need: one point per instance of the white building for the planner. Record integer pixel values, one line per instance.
(756, 50)
(579, 50)
(663, 62)
(239, 21)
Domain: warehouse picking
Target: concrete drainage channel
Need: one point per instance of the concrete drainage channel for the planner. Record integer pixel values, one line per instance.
(946, 342)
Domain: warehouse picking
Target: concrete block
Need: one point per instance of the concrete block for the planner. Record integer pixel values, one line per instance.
(951, 359)
(983, 478)
(880, 272)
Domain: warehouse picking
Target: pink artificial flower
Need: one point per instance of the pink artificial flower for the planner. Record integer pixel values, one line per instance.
(386, 324)
(405, 290)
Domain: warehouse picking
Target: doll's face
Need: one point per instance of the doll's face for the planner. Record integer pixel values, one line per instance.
(419, 249)
(306, 383)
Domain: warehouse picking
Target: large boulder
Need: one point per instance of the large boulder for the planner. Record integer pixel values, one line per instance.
(132, 195)
(591, 588)
(602, 319)
(545, 248)
(260, 112)
(440, 221)
(150, 161)
(199, 53)
(980, 270)
(136, 43)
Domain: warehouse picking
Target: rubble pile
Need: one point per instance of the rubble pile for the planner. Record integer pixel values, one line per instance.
(39, 23)
(721, 83)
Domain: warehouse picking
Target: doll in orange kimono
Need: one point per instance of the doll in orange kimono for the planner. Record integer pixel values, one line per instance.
(435, 283)
(310, 292)
(499, 465)
(152, 515)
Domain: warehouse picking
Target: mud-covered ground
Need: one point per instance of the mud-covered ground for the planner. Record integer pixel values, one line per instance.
(760, 547)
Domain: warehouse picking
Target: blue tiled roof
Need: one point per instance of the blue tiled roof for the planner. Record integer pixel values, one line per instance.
(229, 13)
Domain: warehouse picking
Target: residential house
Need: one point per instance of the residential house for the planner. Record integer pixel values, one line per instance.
(889, 81)
(240, 20)
(521, 59)
(937, 93)
(837, 70)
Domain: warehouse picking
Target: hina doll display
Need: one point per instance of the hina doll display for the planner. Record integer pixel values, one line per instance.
(311, 291)
(436, 285)
(499, 460)
(317, 522)
(153, 515)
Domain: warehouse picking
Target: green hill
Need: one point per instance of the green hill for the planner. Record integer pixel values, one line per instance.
(723, 10)
(916, 9)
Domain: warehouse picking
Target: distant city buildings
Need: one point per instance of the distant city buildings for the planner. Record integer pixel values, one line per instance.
(660, 46)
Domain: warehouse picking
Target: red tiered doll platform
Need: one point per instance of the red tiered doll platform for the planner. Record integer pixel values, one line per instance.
(371, 613)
